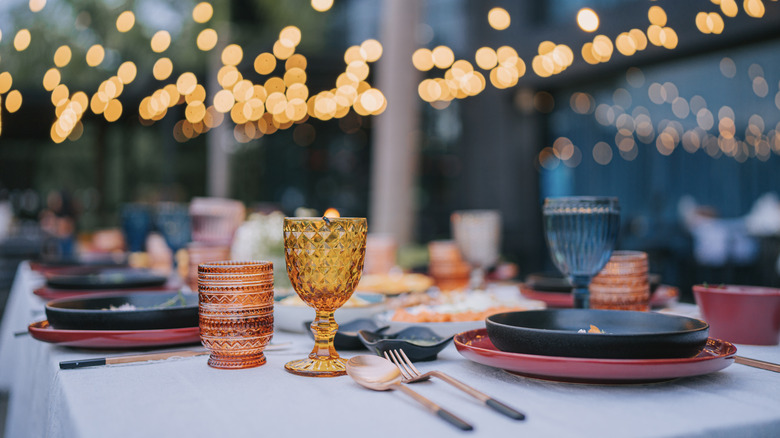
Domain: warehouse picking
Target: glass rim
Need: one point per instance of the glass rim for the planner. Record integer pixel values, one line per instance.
(322, 218)
(477, 211)
(581, 198)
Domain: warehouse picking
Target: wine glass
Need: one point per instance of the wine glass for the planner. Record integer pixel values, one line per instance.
(324, 261)
(477, 234)
(581, 232)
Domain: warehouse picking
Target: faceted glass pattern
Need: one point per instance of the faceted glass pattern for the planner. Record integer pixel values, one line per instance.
(324, 262)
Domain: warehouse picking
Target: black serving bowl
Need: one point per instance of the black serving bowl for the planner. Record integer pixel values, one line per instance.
(152, 310)
(419, 343)
(627, 334)
(347, 335)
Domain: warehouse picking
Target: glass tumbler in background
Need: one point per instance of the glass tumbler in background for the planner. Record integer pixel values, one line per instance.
(478, 236)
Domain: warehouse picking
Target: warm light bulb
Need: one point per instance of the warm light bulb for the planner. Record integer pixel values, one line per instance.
(588, 20)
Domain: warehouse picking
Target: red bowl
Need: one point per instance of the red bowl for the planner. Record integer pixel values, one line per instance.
(741, 314)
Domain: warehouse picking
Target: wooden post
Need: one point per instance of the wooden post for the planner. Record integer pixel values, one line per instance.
(219, 138)
(396, 137)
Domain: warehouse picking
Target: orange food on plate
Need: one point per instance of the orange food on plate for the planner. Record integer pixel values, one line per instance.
(393, 284)
(402, 315)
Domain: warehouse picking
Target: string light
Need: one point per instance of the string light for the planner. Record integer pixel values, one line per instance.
(281, 98)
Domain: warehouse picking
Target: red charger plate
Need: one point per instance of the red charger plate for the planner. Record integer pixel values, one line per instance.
(42, 331)
(475, 345)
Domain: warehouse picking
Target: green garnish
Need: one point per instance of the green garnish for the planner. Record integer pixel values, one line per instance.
(177, 299)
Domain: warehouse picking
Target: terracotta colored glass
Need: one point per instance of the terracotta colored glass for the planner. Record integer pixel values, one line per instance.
(324, 261)
(236, 311)
(623, 283)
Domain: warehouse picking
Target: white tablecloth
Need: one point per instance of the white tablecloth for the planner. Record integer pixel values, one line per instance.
(185, 397)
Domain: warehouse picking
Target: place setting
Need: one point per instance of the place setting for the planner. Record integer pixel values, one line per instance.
(88, 280)
(112, 306)
(119, 320)
(589, 345)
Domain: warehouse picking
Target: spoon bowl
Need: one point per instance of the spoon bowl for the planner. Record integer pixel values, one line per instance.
(379, 374)
(373, 372)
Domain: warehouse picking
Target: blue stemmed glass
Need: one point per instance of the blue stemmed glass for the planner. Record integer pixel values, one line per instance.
(173, 222)
(581, 232)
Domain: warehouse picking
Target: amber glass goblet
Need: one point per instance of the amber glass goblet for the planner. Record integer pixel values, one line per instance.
(324, 261)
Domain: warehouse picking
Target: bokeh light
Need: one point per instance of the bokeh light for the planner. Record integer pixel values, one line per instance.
(162, 69)
(202, 12)
(321, 5)
(125, 21)
(587, 20)
(657, 16)
(37, 5)
(499, 18)
(422, 59)
(22, 40)
(161, 40)
(95, 55)
(62, 56)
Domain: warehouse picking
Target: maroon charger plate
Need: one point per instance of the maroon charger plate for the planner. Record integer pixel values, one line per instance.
(475, 345)
(663, 296)
(42, 331)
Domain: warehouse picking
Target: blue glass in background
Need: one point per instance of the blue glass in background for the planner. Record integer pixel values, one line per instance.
(581, 232)
(172, 220)
(136, 225)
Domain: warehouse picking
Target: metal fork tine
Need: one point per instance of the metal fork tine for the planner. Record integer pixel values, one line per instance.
(405, 370)
(392, 358)
(410, 364)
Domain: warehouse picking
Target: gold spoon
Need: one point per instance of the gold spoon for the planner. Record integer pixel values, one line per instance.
(380, 374)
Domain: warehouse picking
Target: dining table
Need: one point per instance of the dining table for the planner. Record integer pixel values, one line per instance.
(184, 397)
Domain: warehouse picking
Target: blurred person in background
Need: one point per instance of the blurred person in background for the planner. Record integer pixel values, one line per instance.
(58, 221)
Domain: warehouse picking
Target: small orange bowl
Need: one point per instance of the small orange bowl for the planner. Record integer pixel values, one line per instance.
(741, 314)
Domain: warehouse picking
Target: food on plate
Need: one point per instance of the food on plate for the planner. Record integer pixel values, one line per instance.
(425, 315)
(464, 306)
(122, 307)
(176, 300)
(354, 301)
(592, 329)
(394, 284)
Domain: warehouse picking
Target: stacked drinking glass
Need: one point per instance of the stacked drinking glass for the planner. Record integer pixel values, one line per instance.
(236, 305)
(622, 284)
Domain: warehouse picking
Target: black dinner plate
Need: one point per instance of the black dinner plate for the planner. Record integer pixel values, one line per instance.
(113, 278)
(627, 334)
(149, 311)
(548, 282)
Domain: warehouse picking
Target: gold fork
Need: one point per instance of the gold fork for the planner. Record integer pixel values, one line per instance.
(412, 375)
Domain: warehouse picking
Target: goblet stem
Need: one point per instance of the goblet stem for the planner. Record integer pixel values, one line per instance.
(580, 291)
(324, 328)
(477, 279)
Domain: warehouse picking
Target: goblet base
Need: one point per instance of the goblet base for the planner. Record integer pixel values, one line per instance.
(236, 362)
(321, 367)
